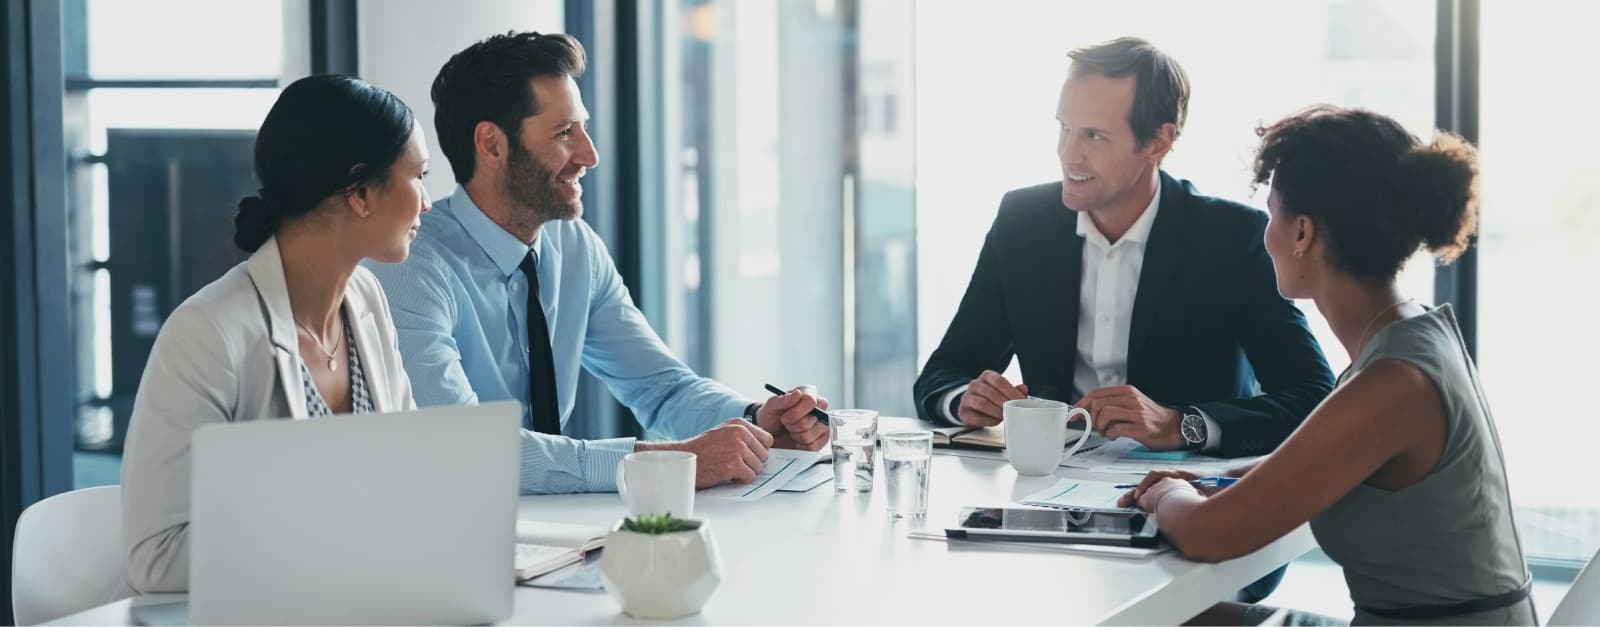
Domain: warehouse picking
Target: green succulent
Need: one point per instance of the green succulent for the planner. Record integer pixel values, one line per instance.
(658, 524)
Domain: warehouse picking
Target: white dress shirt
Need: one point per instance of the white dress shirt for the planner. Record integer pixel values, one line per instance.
(1109, 286)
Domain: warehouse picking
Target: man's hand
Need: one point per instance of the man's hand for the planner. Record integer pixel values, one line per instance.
(789, 419)
(732, 451)
(1122, 411)
(981, 405)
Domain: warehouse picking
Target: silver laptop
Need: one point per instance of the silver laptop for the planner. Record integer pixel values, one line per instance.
(399, 519)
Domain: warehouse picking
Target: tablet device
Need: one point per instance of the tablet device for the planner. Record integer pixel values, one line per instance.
(1018, 524)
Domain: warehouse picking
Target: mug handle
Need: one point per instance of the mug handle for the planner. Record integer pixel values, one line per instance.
(1088, 428)
(622, 481)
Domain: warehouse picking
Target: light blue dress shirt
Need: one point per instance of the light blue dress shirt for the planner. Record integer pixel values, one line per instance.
(460, 306)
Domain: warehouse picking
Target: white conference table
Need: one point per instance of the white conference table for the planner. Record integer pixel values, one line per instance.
(822, 558)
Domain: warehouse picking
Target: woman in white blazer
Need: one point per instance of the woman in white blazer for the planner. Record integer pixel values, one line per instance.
(299, 329)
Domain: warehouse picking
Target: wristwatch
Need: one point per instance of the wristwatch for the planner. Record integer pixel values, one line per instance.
(750, 412)
(1193, 427)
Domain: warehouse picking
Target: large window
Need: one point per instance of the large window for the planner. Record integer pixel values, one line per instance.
(1539, 253)
(987, 82)
(756, 162)
(159, 140)
(833, 165)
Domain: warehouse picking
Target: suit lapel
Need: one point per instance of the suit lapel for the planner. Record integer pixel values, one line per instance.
(266, 273)
(369, 345)
(1063, 272)
(1163, 254)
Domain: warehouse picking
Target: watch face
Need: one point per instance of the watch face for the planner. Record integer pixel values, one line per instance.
(1193, 429)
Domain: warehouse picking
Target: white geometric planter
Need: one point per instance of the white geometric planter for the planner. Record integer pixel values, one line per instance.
(663, 576)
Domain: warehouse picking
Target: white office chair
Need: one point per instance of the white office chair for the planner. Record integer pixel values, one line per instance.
(68, 555)
(1581, 606)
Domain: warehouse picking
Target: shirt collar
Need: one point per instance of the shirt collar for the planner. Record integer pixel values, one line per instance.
(505, 250)
(1139, 232)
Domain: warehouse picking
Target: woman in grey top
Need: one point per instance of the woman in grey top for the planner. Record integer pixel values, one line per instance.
(1399, 471)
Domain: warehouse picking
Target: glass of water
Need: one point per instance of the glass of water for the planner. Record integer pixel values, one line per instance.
(906, 457)
(855, 433)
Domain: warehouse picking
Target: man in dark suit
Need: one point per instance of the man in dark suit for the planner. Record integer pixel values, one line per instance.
(1122, 290)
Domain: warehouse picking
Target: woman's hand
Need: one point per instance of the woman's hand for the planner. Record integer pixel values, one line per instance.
(1158, 478)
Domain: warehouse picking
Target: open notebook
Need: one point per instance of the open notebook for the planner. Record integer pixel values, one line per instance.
(976, 437)
(543, 547)
(994, 438)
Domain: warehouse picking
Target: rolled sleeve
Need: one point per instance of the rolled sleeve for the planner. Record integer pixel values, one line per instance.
(553, 464)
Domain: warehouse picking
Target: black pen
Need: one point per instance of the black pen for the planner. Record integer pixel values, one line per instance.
(816, 412)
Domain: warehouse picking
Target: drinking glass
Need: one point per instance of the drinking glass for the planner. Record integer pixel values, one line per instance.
(855, 434)
(906, 458)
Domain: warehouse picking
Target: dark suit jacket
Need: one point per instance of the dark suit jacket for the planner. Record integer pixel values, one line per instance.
(1208, 321)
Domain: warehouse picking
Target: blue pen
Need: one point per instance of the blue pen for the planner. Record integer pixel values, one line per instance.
(1215, 482)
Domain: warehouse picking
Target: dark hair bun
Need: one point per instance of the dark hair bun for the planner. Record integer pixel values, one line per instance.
(325, 135)
(1441, 207)
(255, 222)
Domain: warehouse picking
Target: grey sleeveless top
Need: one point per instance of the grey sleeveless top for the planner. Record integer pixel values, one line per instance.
(1450, 537)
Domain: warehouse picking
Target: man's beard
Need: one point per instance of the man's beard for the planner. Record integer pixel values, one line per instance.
(535, 188)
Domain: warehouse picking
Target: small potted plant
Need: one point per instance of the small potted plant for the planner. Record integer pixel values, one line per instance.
(660, 567)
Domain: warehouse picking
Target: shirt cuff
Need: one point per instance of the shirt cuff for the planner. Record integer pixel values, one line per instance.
(734, 409)
(946, 399)
(599, 459)
(1213, 432)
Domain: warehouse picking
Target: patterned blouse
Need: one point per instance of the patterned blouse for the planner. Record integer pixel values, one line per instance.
(360, 399)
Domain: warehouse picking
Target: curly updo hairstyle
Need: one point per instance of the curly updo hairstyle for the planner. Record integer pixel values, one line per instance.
(1376, 191)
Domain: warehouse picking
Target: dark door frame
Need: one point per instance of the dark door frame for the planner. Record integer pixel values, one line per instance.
(36, 403)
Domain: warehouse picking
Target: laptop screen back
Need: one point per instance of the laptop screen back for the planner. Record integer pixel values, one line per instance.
(402, 518)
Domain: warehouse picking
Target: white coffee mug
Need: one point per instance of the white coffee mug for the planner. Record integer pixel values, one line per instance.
(657, 482)
(1036, 432)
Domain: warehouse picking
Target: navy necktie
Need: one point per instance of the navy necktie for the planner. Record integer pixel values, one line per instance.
(542, 406)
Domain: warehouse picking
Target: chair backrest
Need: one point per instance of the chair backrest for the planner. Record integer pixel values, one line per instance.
(68, 555)
(1581, 606)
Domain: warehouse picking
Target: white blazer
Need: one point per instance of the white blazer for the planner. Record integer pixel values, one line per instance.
(229, 353)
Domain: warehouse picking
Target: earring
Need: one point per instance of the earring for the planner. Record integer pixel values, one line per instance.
(1299, 253)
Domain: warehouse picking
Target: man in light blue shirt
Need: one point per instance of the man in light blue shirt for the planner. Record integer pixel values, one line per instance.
(511, 122)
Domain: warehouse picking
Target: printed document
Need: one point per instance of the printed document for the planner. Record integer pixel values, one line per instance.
(783, 465)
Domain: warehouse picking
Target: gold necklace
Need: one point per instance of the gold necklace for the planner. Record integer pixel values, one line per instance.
(333, 363)
(1363, 344)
